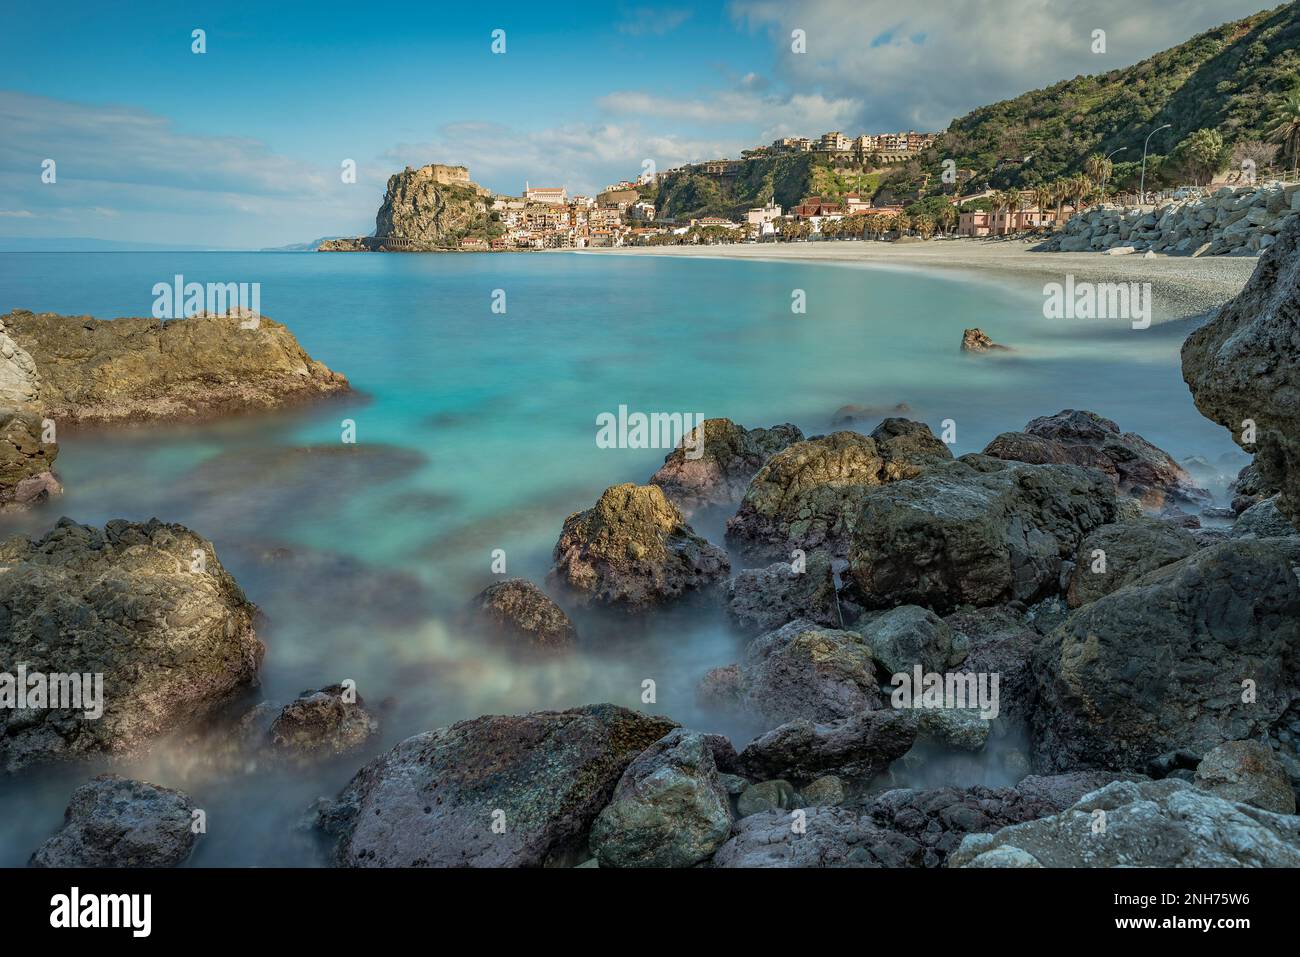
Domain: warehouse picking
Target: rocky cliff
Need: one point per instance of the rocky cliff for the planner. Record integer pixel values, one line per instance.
(427, 209)
(1243, 367)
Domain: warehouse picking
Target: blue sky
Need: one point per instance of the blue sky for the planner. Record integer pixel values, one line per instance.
(241, 146)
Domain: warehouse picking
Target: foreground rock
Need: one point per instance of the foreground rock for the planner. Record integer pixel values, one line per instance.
(634, 550)
(125, 370)
(521, 612)
(146, 605)
(1137, 467)
(1249, 773)
(854, 747)
(721, 472)
(832, 837)
(116, 822)
(323, 723)
(808, 496)
(1117, 555)
(977, 340)
(26, 461)
(978, 531)
(1242, 368)
(1165, 823)
(669, 808)
(542, 778)
(1263, 520)
(1166, 662)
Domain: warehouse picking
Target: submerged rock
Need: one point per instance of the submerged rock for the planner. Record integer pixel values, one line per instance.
(1243, 371)
(808, 496)
(1248, 772)
(147, 606)
(327, 722)
(1144, 824)
(123, 370)
(977, 340)
(730, 457)
(1135, 466)
(518, 610)
(668, 810)
(1117, 555)
(978, 531)
(116, 822)
(497, 791)
(633, 550)
(1194, 654)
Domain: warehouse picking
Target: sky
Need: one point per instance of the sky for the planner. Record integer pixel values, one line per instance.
(243, 145)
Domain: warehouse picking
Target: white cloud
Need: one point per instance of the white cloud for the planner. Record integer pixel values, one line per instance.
(638, 21)
(772, 114)
(919, 65)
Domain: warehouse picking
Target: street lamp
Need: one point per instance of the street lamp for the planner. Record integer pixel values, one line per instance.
(1105, 179)
(1142, 189)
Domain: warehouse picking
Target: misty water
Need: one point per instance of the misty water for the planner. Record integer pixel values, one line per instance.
(476, 431)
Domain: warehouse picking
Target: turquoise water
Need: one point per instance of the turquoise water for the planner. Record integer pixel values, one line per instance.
(476, 431)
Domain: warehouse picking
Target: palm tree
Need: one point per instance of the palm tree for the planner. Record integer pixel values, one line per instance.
(924, 224)
(948, 217)
(1287, 129)
(1080, 189)
(1043, 197)
(1097, 168)
(903, 223)
(891, 224)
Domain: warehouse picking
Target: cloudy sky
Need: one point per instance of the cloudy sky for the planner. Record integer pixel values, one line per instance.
(242, 146)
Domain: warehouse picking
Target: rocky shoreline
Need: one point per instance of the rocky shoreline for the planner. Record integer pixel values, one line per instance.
(1124, 664)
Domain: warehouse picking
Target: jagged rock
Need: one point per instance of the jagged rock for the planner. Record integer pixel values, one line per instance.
(731, 456)
(26, 462)
(116, 822)
(124, 370)
(1160, 664)
(807, 497)
(1242, 365)
(1146, 824)
(976, 340)
(518, 610)
(802, 671)
(761, 599)
(148, 606)
(1129, 551)
(978, 531)
(1263, 520)
(632, 550)
(909, 635)
(331, 721)
(20, 384)
(1137, 467)
(853, 747)
(432, 800)
(669, 808)
(765, 796)
(829, 837)
(1249, 488)
(433, 207)
(1249, 773)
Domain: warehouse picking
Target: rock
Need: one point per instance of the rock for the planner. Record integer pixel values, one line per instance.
(116, 822)
(20, 384)
(909, 635)
(1160, 664)
(1242, 365)
(854, 747)
(762, 599)
(26, 462)
(331, 721)
(976, 340)
(731, 456)
(1249, 488)
(1146, 824)
(852, 414)
(633, 550)
(721, 687)
(828, 837)
(1128, 551)
(1247, 772)
(1137, 467)
(1263, 520)
(146, 606)
(669, 808)
(1001, 642)
(961, 728)
(979, 531)
(432, 800)
(519, 611)
(433, 207)
(130, 370)
(801, 671)
(807, 497)
(765, 796)
(826, 791)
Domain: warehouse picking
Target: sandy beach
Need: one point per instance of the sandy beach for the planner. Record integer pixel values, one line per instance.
(1181, 286)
